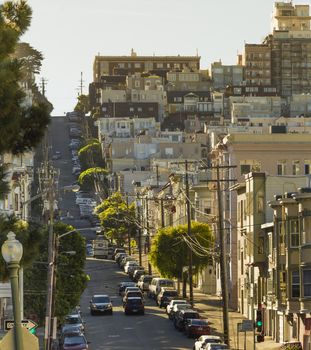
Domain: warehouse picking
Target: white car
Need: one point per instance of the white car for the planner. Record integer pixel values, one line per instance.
(128, 264)
(202, 342)
(169, 307)
(216, 346)
(143, 282)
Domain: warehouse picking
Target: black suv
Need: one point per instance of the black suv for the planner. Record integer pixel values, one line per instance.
(183, 316)
(165, 296)
(134, 305)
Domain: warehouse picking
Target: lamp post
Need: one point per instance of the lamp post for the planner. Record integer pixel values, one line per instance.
(12, 251)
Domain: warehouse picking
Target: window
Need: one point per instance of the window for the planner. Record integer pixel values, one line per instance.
(295, 284)
(296, 167)
(306, 283)
(137, 83)
(294, 233)
(131, 109)
(245, 168)
(159, 65)
(139, 109)
(104, 109)
(169, 151)
(281, 167)
(137, 65)
(307, 167)
(260, 247)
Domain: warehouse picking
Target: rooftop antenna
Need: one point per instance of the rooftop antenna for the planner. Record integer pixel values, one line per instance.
(81, 86)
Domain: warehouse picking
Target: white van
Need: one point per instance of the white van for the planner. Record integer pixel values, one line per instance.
(157, 283)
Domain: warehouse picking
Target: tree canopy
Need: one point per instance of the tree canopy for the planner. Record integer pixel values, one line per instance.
(117, 218)
(22, 125)
(170, 248)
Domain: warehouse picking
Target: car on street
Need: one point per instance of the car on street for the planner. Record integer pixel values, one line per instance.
(156, 284)
(216, 346)
(130, 265)
(165, 296)
(69, 330)
(101, 304)
(203, 340)
(119, 257)
(182, 317)
(169, 307)
(196, 327)
(75, 319)
(122, 286)
(124, 260)
(118, 250)
(134, 305)
(137, 273)
(132, 294)
(144, 281)
(77, 342)
(132, 268)
(177, 308)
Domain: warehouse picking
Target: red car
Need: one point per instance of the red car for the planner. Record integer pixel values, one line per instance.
(197, 327)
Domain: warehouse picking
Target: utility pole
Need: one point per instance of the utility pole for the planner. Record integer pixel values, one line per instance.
(43, 84)
(188, 204)
(148, 236)
(223, 263)
(222, 246)
(139, 231)
(189, 234)
(128, 232)
(81, 86)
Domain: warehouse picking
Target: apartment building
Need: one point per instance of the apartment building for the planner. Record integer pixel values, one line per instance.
(226, 75)
(274, 154)
(129, 65)
(188, 81)
(287, 295)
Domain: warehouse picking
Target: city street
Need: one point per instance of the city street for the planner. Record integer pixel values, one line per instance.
(135, 332)
(151, 331)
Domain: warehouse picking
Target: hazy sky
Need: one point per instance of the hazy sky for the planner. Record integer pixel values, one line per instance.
(70, 33)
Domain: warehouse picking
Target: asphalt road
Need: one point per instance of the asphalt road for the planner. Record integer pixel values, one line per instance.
(134, 332)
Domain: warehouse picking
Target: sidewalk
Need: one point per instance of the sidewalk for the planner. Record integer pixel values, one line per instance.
(210, 307)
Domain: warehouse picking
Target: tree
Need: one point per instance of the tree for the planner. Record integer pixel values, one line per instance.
(22, 126)
(29, 234)
(83, 104)
(170, 249)
(71, 279)
(117, 218)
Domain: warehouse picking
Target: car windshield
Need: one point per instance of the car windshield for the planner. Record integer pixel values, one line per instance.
(199, 322)
(76, 340)
(147, 279)
(219, 347)
(134, 294)
(101, 300)
(166, 283)
(73, 320)
(182, 306)
(171, 293)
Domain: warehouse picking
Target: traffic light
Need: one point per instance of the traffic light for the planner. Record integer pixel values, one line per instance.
(259, 327)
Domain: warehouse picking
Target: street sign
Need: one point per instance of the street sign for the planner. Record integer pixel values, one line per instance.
(28, 324)
(247, 326)
(133, 243)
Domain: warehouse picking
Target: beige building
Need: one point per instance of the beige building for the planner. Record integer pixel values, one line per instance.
(274, 154)
(224, 75)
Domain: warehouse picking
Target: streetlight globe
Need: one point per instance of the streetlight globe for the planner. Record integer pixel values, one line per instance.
(12, 249)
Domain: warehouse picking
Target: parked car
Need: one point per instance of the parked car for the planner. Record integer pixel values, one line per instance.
(132, 294)
(157, 283)
(134, 305)
(165, 296)
(131, 268)
(203, 340)
(123, 285)
(137, 267)
(177, 308)
(118, 250)
(216, 346)
(125, 260)
(119, 256)
(169, 307)
(137, 273)
(101, 303)
(182, 317)
(196, 327)
(130, 265)
(77, 342)
(75, 319)
(144, 281)
(69, 330)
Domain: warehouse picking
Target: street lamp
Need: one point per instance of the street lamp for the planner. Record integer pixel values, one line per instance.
(12, 252)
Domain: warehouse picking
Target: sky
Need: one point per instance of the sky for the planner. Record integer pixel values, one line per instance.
(70, 33)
